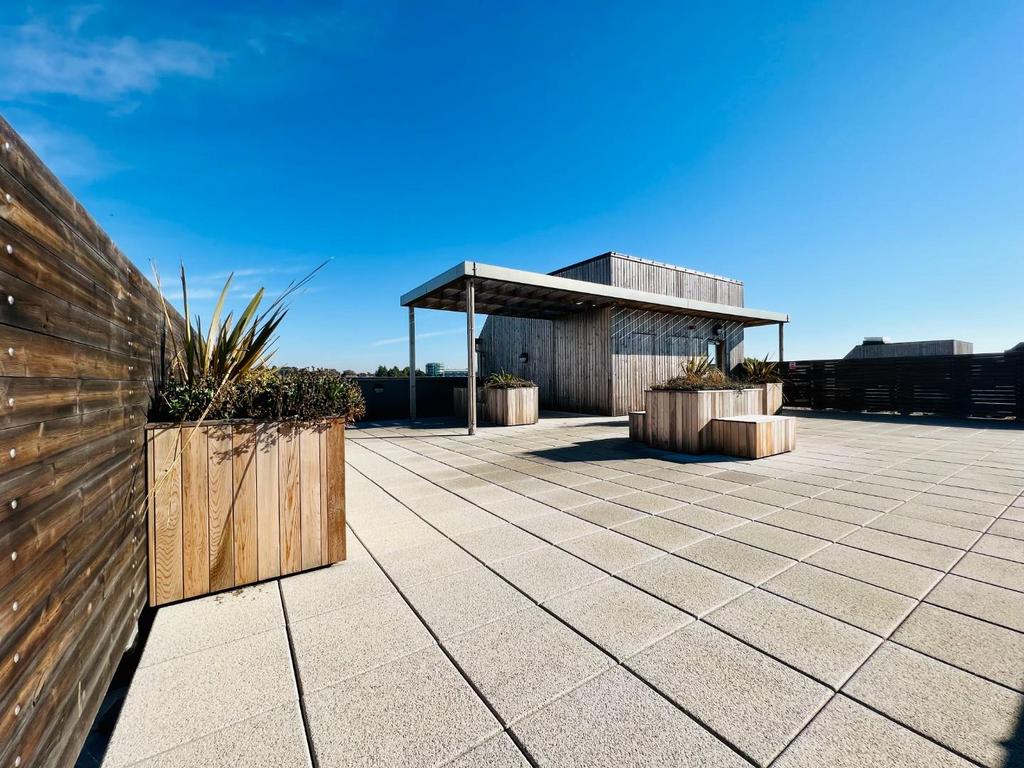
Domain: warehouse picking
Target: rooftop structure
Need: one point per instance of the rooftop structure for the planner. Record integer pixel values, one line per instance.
(882, 346)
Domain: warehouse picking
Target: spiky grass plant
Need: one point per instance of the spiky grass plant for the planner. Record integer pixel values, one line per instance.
(698, 373)
(505, 380)
(758, 371)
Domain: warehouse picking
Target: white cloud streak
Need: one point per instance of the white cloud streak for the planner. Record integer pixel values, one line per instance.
(428, 335)
(42, 59)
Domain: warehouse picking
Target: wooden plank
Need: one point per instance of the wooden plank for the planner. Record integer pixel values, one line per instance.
(325, 546)
(309, 495)
(291, 517)
(221, 491)
(168, 524)
(243, 438)
(336, 533)
(268, 502)
(195, 511)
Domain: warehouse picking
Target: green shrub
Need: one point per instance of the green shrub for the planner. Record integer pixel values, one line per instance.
(698, 373)
(755, 371)
(505, 380)
(262, 394)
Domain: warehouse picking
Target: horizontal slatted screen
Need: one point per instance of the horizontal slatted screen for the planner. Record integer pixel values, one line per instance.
(982, 385)
(81, 335)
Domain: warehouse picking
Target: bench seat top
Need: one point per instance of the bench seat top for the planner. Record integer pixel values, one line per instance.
(754, 419)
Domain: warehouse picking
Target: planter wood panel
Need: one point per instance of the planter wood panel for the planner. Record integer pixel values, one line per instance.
(460, 406)
(512, 407)
(678, 421)
(772, 398)
(753, 437)
(233, 504)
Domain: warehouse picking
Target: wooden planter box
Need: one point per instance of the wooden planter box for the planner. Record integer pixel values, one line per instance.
(678, 421)
(459, 404)
(512, 407)
(772, 398)
(232, 503)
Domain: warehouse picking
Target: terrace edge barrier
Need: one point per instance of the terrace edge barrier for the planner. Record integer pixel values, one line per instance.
(983, 385)
(82, 336)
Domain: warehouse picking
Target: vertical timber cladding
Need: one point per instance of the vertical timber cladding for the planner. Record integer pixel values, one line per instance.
(81, 334)
(648, 347)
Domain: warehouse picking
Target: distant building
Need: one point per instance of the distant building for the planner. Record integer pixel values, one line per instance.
(455, 372)
(882, 346)
(435, 369)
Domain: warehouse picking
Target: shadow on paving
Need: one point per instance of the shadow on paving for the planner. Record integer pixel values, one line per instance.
(1015, 744)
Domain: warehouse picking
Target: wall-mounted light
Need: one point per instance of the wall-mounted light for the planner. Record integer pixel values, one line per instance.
(717, 330)
(524, 357)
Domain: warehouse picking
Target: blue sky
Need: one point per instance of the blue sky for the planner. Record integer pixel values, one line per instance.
(859, 165)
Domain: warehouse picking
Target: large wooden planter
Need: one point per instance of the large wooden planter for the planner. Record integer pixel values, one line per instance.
(512, 407)
(678, 421)
(772, 398)
(232, 503)
(459, 401)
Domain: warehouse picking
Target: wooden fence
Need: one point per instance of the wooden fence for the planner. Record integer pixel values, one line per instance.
(982, 385)
(81, 335)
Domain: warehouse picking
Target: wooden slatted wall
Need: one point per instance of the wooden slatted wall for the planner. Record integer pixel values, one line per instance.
(982, 385)
(81, 334)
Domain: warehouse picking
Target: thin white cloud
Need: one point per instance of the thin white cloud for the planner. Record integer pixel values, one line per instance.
(42, 59)
(428, 335)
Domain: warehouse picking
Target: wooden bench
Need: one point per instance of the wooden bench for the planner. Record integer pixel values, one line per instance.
(753, 437)
(636, 425)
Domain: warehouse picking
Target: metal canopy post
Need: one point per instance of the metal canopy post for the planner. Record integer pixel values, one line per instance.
(471, 355)
(412, 363)
(781, 346)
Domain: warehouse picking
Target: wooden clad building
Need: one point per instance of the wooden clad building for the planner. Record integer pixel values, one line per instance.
(593, 335)
(602, 360)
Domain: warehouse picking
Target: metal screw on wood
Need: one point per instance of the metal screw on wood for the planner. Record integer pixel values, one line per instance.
(10, 299)
(13, 452)
(10, 248)
(10, 401)
(14, 555)
(17, 657)
(14, 503)
(7, 146)
(17, 709)
(15, 605)
(8, 198)
(10, 351)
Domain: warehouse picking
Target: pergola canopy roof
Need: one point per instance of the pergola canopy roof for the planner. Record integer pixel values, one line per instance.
(517, 293)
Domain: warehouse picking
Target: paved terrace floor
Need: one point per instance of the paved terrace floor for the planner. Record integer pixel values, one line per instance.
(556, 595)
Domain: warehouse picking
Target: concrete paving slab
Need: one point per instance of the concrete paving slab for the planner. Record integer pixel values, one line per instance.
(270, 740)
(195, 625)
(937, 533)
(515, 508)
(417, 711)
(332, 647)
(686, 585)
(778, 540)
(606, 514)
(768, 496)
(984, 649)
(864, 605)
(733, 558)
(747, 698)
(547, 572)
(667, 535)
(904, 548)
(497, 542)
(616, 616)
(426, 562)
(809, 525)
(562, 498)
(983, 601)
(886, 572)
(522, 662)
(615, 721)
(703, 518)
(455, 604)
(189, 697)
(331, 588)
(497, 752)
(846, 734)
(1000, 546)
(611, 551)
(556, 527)
(818, 645)
(650, 503)
(737, 505)
(971, 716)
(836, 511)
(991, 570)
